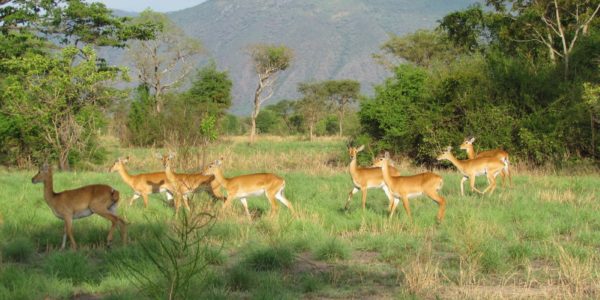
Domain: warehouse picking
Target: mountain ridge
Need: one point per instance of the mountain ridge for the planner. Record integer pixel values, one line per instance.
(332, 39)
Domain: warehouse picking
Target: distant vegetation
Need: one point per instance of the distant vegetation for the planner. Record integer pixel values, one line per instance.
(488, 73)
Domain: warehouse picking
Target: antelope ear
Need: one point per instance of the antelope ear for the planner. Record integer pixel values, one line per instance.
(126, 159)
(387, 155)
(361, 148)
(449, 148)
(45, 166)
(171, 154)
(472, 140)
(158, 155)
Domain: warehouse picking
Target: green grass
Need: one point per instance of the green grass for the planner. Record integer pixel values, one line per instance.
(540, 238)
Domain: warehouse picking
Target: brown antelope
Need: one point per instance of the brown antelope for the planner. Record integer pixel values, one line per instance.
(470, 168)
(142, 184)
(366, 178)
(502, 155)
(241, 187)
(186, 184)
(79, 203)
(192, 181)
(406, 187)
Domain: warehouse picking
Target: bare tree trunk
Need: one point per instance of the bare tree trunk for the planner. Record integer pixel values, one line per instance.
(256, 110)
(63, 160)
(552, 54)
(341, 120)
(310, 130)
(253, 130)
(593, 127)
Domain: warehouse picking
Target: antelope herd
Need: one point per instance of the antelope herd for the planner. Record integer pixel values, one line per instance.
(103, 199)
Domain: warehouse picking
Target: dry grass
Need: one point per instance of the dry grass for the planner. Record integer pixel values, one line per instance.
(578, 276)
(421, 275)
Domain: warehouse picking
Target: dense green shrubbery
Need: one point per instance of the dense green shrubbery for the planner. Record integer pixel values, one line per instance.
(508, 95)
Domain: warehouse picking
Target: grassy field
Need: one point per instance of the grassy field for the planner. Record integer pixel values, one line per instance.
(538, 239)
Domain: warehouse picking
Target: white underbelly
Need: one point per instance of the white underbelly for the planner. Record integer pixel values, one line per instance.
(244, 194)
(376, 186)
(413, 195)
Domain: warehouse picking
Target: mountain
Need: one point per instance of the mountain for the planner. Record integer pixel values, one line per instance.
(332, 39)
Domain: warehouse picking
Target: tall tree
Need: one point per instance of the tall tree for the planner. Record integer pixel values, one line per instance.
(421, 48)
(59, 98)
(268, 61)
(51, 100)
(556, 25)
(313, 106)
(163, 63)
(211, 90)
(342, 93)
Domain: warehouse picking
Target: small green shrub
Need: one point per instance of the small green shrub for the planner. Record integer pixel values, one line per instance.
(69, 265)
(331, 250)
(271, 258)
(214, 256)
(519, 252)
(19, 249)
(310, 283)
(240, 278)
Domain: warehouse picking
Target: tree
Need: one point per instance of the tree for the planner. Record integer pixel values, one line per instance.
(268, 61)
(591, 97)
(162, 63)
(211, 90)
(341, 93)
(313, 105)
(286, 110)
(422, 48)
(52, 100)
(60, 97)
(556, 25)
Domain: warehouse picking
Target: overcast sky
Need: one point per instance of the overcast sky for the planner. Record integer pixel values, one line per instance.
(156, 5)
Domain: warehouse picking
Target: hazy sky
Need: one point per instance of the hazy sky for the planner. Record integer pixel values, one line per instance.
(156, 5)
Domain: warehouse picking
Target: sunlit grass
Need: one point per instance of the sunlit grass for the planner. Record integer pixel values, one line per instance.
(540, 237)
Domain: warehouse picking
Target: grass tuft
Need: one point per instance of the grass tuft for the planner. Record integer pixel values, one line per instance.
(20, 249)
(270, 258)
(332, 249)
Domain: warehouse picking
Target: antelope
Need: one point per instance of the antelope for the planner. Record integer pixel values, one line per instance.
(79, 203)
(142, 184)
(502, 155)
(185, 184)
(189, 179)
(470, 168)
(240, 187)
(407, 187)
(366, 178)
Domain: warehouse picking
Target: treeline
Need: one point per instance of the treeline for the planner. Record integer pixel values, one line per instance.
(519, 75)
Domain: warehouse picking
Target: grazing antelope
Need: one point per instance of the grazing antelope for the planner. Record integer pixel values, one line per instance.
(185, 184)
(407, 187)
(142, 184)
(366, 178)
(470, 168)
(243, 186)
(502, 155)
(82, 202)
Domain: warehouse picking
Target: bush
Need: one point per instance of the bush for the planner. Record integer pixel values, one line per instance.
(271, 258)
(241, 278)
(69, 265)
(332, 250)
(20, 249)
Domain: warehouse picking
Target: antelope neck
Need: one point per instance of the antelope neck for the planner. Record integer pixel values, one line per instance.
(220, 178)
(126, 177)
(470, 152)
(455, 162)
(49, 188)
